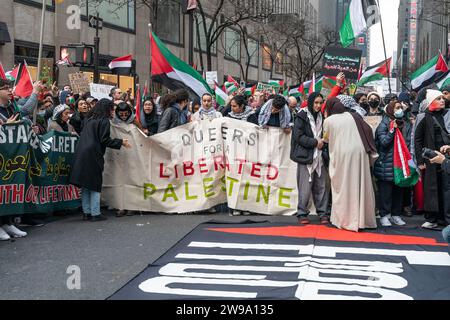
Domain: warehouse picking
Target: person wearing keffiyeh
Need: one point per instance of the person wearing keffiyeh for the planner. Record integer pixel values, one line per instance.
(274, 113)
(206, 111)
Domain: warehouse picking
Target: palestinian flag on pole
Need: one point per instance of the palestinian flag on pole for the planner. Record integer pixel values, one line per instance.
(294, 91)
(277, 83)
(2, 72)
(375, 73)
(139, 104)
(429, 72)
(361, 15)
(444, 81)
(221, 96)
(23, 86)
(122, 66)
(173, 72)
(230, 87)
(405, 171)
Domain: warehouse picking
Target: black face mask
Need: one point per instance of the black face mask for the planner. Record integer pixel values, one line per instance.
(374, 104)
(364, 105)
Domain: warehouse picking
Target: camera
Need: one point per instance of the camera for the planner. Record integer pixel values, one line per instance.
(428, 153)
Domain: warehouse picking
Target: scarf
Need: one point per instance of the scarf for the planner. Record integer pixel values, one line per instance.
(207, 114)
(266, 113)
(243, 115)
(316, 127)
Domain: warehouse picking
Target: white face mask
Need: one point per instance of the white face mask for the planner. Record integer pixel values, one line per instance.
(399, 114)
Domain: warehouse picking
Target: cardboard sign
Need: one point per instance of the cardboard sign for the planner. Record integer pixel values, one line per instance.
(100, 91)
(338, 60)
(79, 82)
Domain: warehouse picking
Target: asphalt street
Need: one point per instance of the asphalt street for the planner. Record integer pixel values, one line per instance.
(109, 253)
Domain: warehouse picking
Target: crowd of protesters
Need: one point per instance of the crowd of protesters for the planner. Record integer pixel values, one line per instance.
(344, 167)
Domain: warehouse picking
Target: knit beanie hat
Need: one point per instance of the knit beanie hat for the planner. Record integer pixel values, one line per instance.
(431, 96)
(58, 110)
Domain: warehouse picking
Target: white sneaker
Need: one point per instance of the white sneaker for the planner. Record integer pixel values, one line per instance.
(212, 210)
(13, 231)
(385, 221)
(429, 225)
(247, 213)
(235, 213)
(3, 235)
(398, 221)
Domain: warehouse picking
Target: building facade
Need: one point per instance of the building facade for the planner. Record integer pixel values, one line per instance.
(125, 31)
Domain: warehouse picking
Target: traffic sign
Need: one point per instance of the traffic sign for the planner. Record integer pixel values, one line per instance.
(93, 21)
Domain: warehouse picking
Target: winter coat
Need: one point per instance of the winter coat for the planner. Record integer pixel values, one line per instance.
(384, 140)
(303, 142)
(170, 119)
(425, 138)
(88, 162)
(54, 125)
(446, 166)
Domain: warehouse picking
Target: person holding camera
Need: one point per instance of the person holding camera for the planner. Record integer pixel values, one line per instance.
(432, 134)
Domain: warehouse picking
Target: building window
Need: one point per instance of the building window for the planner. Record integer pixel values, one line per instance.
(202, 35)
(253, 50)
(113, 13)
(38, 3)
(232, 44)
(168, 24)
(266, 58)
(29, 52)
(279, 63)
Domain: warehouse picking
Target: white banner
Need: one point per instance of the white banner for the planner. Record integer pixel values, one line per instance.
(199, 165)
(100, 91)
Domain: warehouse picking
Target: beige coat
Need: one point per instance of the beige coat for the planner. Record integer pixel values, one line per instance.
(353, 205)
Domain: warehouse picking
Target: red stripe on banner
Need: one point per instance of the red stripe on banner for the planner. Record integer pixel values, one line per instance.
(327, 233)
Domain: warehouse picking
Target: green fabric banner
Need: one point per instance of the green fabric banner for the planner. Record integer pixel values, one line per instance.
(34, 171)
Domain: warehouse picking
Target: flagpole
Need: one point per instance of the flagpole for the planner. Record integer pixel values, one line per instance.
(41, 47)
(150, 38)
(384, 47)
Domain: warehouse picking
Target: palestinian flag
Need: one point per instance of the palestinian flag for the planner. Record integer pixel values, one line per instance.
(294, 91)
(444, 81)
(375, 73)
(12, 75)
(329, 82)
(304, 88)
(405, 171)
(429, 72)
(276, 83)
(230, 87)
(361, 15)
(23, 86)
(122, 66)
(173, 72)
(249, 91)
(221, 97)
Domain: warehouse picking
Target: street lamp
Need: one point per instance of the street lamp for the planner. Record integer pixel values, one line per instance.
(446, 27)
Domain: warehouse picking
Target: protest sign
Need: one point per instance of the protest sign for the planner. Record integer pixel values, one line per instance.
(211, 78)
(79, 82)
(34, 171)
(338, 60)
(199, 165)
(100, 91)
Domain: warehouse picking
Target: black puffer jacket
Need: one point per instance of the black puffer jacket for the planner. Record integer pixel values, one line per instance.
(303, 142)
(384, 140)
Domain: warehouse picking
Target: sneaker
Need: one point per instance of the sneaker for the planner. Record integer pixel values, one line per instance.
(247, 213)
(3, 235)
(212, 210)
(304, 220)
(398, 221)
(100, 217)
(13, 231)
(235, 213)
(429, 225)
(385, 222)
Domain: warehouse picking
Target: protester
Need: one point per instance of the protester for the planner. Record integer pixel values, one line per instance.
(195, 106)
(374, 104)
(60, 120)
(82, 109)
(124, 114)
(352, 105)
(206, 111)
(391, 196)
(351, 149)
(275, 113)
(116, 95)
(175, 113)
(92, 102)
(149, 117)
(239, 109)
(306, 149)
(293, 106)
(7, 107)
(88, 162)
(431, 133)
(361, 99)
